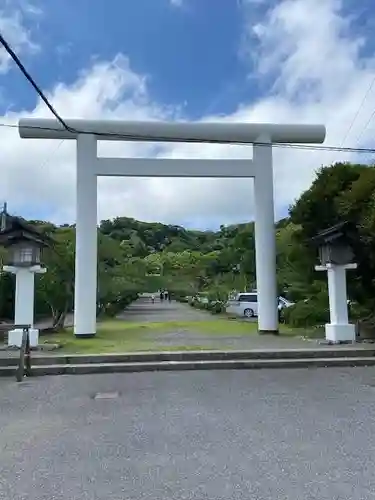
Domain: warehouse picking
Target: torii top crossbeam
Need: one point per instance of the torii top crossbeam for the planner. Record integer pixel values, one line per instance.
(220, 132)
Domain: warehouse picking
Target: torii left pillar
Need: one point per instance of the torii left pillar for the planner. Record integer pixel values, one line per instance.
(85, 290)
(265, 240)
(24, 303)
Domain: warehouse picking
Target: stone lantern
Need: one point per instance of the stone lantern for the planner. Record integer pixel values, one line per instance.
(336, 256)
(24, 244)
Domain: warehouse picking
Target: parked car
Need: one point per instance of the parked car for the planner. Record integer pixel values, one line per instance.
(283, 303)
(246, 304)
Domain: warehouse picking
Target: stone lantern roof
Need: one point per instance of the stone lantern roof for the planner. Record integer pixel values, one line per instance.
(15, 230)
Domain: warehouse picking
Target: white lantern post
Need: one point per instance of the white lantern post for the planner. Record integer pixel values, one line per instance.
(24, 247)
(336, 257)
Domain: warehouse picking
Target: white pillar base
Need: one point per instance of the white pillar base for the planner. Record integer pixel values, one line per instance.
(15, 337)
(340, 333)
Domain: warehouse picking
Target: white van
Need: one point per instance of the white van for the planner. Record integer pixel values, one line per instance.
(244, 304)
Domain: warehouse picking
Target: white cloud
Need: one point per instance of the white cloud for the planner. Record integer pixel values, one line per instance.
(176, 3)
(15, 31)
(319, 77)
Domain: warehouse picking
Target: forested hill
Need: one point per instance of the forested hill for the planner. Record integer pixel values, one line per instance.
(143, 238)
(147, 237)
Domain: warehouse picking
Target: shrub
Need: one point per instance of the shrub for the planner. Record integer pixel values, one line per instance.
(200, 305)
(180, 296)
(182, 299)
(117, 304)
(305, 314)
(216, 307)
(359, 311)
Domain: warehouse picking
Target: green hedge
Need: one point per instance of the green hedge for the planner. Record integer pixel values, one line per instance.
(214, 307)
(111, 309)
(312, 313)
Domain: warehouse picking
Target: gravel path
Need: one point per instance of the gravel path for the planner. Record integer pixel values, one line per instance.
(143, 310)
(163, 311)
(227, 435)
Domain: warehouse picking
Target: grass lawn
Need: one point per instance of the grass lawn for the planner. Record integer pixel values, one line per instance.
(123, 336)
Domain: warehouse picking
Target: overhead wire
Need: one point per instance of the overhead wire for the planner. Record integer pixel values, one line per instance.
(349, 129)
(359, 137)
(367, 93)
(51, 154)
(29, 78)
(366, 126)
(309, 147)
(135, 137)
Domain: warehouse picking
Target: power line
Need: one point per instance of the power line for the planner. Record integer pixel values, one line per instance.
(358, 111)
(308, 147)
(365, 127)
(163, 139)
(52, 153)
(29, 78)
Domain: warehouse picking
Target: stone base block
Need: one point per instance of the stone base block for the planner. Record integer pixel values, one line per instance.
(15, 337)
(340, 333)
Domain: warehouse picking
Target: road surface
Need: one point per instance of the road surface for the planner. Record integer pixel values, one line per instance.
(143, 310)
(226, 435)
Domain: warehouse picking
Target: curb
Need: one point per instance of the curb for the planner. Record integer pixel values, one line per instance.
(192, 356)
(239, 364)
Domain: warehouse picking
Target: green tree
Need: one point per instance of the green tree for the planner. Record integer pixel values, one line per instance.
(55, 288)
(344, 192)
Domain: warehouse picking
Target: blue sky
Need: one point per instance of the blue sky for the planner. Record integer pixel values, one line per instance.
(250, 60)
(190, 53)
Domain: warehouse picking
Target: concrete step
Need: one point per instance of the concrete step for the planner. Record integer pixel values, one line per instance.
(147, 357)
(7, 371)
(76, 369)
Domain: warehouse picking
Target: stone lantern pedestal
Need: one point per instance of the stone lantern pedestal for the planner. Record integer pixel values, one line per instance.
(24, 303)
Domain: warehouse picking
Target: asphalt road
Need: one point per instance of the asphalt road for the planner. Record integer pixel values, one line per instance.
(268, 434)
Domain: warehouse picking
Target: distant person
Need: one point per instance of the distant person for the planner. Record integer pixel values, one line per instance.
(169, 296)
(161, 296)
(166, 295)
(153, 298)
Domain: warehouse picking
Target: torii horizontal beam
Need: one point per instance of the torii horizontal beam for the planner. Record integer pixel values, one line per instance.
(220, 132)
(171, 167)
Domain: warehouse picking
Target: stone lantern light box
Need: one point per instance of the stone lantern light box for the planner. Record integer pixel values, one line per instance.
(336, 256)
(24, 244)
(333, 245)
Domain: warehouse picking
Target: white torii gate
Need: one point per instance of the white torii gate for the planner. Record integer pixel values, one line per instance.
(89, 166)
